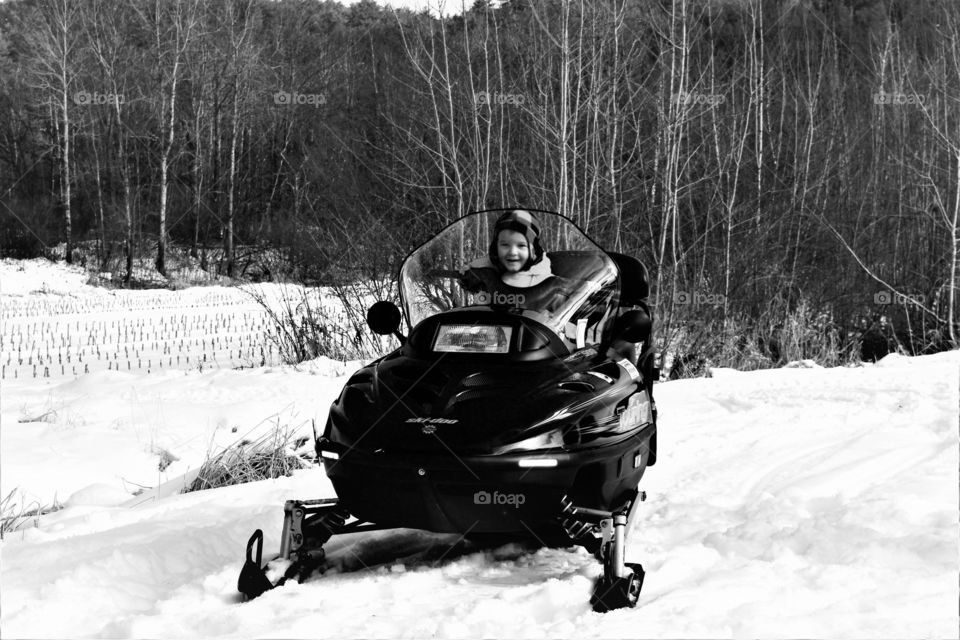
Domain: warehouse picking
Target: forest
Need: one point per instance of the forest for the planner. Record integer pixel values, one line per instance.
(787, 170)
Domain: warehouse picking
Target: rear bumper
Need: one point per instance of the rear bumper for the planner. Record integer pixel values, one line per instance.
(479, 494)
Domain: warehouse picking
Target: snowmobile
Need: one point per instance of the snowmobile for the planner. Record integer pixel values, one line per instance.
(506, 413)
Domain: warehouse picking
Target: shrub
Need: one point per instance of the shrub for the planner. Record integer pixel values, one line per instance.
(277, 453)
(780, 335)
(308, 325)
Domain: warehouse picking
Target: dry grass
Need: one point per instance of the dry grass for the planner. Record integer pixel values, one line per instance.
(278, 453)
(307, 323)
(166, 458)
(16, 514)
(48, 415)
(779, 336)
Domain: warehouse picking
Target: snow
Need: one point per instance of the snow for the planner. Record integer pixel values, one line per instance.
(23, 277)
(98, 494)
(802, 502)
(115, 427)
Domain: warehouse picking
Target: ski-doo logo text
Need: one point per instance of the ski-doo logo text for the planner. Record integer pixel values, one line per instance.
(512, 299)
(497, 498)
(432, 421)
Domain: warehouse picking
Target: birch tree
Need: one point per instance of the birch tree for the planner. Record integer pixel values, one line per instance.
(108, 41)
(172, 25)
(54, 42)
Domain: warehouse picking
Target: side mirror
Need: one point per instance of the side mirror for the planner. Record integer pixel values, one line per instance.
(383, 318)
(632, 326)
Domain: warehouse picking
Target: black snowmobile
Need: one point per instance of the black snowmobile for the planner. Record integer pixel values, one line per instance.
(506, 413)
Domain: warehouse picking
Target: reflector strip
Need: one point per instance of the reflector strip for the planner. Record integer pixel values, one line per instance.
(537, 462)
(332, 455)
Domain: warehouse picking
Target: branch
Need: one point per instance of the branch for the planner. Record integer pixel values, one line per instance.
(870, 273)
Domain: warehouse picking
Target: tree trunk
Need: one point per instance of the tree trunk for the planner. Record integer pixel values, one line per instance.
(101, 235)
(65, 159)
(127, 204)
(951, 325)
(164, 170)
(228, 236)
(197, 179)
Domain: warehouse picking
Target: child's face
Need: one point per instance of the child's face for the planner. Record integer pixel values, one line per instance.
(512, 249)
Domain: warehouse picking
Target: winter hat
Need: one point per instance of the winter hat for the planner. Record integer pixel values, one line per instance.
(522, 222)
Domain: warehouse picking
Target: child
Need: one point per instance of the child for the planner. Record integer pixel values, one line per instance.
(515, 260)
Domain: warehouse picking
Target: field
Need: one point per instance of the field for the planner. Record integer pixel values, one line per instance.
(65, 331)
(173, 330)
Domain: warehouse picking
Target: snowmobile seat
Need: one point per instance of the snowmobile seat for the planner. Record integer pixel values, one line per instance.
(634, 287)
(574, 264)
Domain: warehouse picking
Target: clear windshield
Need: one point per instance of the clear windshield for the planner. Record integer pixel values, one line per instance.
(573, 290)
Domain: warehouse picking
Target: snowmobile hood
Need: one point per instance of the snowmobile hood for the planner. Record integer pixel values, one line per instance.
(474, 403)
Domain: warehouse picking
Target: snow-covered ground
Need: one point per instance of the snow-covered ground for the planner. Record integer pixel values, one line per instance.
(803, 502)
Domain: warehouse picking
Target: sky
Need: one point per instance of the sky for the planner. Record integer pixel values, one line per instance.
(449, 7)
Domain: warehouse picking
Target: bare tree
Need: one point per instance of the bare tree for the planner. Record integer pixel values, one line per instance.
(430, 59)
(240, 20)
(54, 41)
(109, 43)
(944, 125)
(172, 24)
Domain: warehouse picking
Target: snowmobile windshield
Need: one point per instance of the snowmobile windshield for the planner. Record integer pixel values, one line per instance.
(573, 289)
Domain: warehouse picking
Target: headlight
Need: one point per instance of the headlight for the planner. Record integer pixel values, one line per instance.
(549, 440)
(467, 338)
